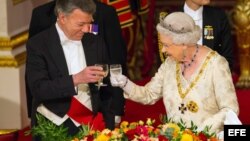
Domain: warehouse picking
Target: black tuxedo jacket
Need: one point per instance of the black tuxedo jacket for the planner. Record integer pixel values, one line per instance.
(222, 41)
(109, 29)
(220, 31)
(47, 72)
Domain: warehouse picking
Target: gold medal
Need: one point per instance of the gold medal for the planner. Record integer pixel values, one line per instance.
(192, 106)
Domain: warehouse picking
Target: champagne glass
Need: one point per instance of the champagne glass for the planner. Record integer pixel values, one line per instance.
(105, 68)
(115, 69)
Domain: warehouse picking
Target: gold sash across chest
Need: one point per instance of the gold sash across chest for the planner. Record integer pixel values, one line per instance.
(191, 105)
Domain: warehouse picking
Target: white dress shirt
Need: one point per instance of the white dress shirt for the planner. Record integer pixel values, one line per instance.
(197, 17)
(76, 62)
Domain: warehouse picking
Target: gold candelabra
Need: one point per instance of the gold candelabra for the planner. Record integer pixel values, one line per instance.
(241, 23)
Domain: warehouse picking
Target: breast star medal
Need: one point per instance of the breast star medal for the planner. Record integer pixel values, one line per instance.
(192, 106)
(208, 32)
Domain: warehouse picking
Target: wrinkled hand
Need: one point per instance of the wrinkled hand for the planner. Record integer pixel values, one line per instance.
(118, 80)
(89, 74)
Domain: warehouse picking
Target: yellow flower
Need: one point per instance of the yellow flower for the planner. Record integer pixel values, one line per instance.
(150, 121)
(186, 137)
(75, 139)
(115, 134)
(91, 132)
(124, 124)
(157, 131)
(141, 122)
(102, 137)
(133, 124)
(150, 128)
(175, 127)
(116, 129)
(105, 131)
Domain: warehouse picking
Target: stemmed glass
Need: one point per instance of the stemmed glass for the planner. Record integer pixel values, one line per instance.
(105, 68)
(115, 69)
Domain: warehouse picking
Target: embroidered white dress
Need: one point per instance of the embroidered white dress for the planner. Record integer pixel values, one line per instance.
(211, 92)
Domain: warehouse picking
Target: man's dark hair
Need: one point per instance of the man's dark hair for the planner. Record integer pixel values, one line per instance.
(67, 6)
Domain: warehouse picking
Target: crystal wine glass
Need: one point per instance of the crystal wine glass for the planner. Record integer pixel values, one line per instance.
(115, 69)
(105, 68)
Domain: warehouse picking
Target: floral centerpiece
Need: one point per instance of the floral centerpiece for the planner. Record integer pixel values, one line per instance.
(134, 131)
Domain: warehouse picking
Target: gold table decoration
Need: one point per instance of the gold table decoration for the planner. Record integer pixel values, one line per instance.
(241, 24)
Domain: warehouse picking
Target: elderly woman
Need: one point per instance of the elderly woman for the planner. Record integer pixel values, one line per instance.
(194, 81)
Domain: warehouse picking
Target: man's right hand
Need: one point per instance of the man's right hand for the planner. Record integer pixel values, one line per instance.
(89, 74)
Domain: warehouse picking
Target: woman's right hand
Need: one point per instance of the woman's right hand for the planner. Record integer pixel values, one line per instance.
(118, 80)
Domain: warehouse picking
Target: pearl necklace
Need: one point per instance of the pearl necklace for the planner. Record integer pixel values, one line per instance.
(192, 60)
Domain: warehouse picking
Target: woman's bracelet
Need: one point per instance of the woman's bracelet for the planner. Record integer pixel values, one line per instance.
(125, 83)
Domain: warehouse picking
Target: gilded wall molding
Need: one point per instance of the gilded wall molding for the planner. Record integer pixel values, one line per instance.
(16, 61)
(9, 44)
(17, 1)
(13, 42)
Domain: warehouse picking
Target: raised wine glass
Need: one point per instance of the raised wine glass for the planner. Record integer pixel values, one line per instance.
(105, 68)
(115, 69)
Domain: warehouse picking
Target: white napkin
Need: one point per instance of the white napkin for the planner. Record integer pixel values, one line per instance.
(231, 119)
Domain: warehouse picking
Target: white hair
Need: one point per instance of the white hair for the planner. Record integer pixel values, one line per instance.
(180, 27)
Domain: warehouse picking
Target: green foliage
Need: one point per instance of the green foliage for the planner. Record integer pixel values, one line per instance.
(206, 131)
(182, 125)
(84, 131)
(193, 127)
(48, 131)
(164, 119)
(169, 133)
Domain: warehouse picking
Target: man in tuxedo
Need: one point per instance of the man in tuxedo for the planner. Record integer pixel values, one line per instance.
(108, 28)
(215, 27)
(60, 71)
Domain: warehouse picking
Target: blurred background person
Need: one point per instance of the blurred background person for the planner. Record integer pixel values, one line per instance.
(216, 30)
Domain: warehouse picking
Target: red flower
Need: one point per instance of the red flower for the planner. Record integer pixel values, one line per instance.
(202, 136)
(162, 138)
(130, 134)
(142, 130)
(90, 138)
